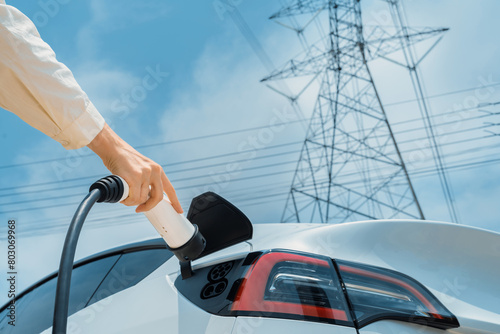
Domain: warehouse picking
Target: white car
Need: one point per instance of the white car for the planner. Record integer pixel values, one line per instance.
(385, 276)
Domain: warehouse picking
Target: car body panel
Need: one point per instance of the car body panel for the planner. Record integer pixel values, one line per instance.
(399, 327)
(152, 306)
(247, 325)
(459, 265)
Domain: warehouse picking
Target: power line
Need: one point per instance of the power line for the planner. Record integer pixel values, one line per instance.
(429, 97)
(176, 141)
(58, 188)
(468, 140)
(203, 184)
(246, 130)
(236, 153)
(163, 165)
(422, 172)
(348, 98)
(100, 222)
(265, 59)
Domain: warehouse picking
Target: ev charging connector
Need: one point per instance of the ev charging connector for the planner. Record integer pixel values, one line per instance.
(183, 238)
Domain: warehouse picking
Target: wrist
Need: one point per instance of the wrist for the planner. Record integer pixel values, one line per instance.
(105, 143)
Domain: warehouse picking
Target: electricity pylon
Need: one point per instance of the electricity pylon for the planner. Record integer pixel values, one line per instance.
(350, 166)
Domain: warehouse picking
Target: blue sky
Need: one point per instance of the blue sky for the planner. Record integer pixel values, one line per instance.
(213, 86)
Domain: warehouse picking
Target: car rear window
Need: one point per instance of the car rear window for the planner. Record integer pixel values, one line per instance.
(90, 283)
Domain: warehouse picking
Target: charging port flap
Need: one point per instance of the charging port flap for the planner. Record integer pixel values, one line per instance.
(220, 222)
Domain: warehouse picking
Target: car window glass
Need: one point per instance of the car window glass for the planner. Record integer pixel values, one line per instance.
(130, 269)
(34, 311)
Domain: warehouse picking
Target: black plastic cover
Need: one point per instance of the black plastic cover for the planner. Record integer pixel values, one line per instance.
(220, 222)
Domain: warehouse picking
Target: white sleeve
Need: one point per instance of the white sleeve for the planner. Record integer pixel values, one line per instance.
(38, 88)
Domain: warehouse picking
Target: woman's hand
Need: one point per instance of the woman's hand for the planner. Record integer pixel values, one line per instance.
(146, 178)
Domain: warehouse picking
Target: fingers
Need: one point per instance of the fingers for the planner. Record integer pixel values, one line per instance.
(134, 190)
(156, 194)
(146, 178)
(149, 191)
(139, 187)
(144, 195)
(170, 191)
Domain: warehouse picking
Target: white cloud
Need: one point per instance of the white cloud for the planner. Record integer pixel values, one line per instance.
(116, 15)
(224, 94)
(108, 16)
(104, 84)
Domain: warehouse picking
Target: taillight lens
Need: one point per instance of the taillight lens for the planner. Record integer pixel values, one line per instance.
(293, 285)
(377, 293)
(296, 286)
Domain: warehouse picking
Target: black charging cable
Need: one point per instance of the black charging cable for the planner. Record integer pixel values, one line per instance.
(108, 189)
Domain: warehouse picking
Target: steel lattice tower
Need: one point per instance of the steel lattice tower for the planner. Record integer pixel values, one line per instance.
(350, 167)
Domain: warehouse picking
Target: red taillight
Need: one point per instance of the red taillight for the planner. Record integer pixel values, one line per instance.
(395, 281)
(377, 293)
(293, 285)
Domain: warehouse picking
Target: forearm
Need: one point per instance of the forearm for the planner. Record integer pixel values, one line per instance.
(38, 88)
(44, 93)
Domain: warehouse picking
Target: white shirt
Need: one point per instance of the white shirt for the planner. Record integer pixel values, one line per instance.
(38, 88)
